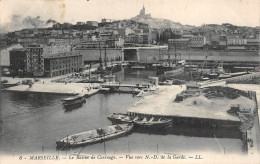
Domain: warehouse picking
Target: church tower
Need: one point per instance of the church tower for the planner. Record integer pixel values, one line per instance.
(142, 12)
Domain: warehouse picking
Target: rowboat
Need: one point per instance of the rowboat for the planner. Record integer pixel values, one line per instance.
(152, 123)
(166, 82)
(148, 122)
(95, 136)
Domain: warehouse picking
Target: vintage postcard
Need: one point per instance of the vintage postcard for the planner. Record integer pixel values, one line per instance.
(129, 81)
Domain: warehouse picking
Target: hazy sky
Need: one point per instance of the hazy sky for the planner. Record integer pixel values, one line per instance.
(193, 12)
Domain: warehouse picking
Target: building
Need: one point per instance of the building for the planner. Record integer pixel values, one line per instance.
(57, 26)
(120, 42)
(35, 64)
(104, 36)
(3, 42)
(133, 38)
(25, 41)
(91, 44)
(80, 23)
(175, 44)
(223, 42)
(142, 13)
(145, 38)
(92, 23)
(5, 54)
(66, 25)
(197, 42)
(62, 63)
(236, 41)
(66, 40)
(253, 44)
(19, 61)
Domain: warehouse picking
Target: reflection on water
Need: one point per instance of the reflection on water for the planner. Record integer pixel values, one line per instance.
(32, 122)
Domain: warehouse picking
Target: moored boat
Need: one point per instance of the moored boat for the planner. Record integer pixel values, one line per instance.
(152, 123)
(224, 76)
(95, 136)
(148, 122)
(138, 67)
(73, 101)
(166, 82)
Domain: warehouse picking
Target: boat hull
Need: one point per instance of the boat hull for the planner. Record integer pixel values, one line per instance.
(61, 144)
(152, 124)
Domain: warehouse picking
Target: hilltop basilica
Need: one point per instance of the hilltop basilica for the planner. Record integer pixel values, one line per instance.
(142, 14)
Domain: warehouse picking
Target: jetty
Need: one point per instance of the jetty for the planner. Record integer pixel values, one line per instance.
(201, 112)
(117, 85)
(58, 88)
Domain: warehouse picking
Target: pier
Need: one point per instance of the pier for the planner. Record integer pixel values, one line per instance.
(58, 88)
(127, 88)
(204, 111)
(237, 79)
(117, 85)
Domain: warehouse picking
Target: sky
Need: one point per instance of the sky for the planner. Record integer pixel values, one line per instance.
(191, 12)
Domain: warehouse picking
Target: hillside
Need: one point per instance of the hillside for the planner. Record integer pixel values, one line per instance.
(159, 23)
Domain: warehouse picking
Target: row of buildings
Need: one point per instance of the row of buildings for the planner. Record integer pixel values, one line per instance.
(223, 42)
(38, 60)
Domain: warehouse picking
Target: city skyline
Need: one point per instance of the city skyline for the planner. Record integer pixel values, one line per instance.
(237, 12)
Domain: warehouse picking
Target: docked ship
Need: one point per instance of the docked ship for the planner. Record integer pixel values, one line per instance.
(74, 101)
(94, 136)
(140, 121)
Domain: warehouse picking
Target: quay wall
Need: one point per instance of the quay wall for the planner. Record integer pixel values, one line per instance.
(154, 54)
(93, 54)
(196, 121)
(247, 77)
(151, 55)
(237, 58)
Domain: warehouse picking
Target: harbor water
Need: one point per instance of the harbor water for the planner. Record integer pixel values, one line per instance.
(32, 122)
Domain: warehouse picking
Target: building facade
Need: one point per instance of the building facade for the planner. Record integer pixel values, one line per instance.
(19, 61)
(35, 64)
(5, 54)
(234, 41)
(253, 44)
(183, 43)
(197, 41)
(60, 64)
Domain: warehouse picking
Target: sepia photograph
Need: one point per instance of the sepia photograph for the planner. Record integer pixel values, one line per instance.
(129, 81)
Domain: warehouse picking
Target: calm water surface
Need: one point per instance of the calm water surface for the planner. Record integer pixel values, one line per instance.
(32, 122)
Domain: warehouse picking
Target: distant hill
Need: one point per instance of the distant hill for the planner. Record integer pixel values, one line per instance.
(159, 23)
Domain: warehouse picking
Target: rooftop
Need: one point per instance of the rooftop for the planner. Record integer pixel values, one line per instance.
(19, 49)
(177, 40)
(62, 55)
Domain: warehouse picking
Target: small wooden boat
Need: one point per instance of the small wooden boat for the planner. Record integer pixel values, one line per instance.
(224, 76)
(95, 136)
(204, 78)
(148, 122)
(138, 67)
(166, 82)
(117, 117)
(73, 101)
(104, 90)
(152, 123)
